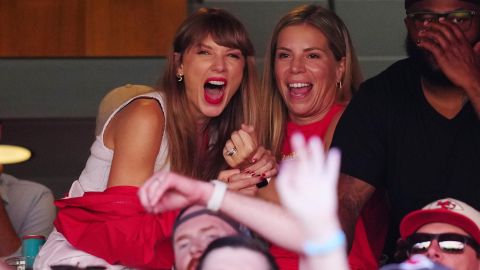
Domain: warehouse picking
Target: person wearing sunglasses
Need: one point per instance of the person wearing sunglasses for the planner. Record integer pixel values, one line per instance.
(446, 231)
(416, 124)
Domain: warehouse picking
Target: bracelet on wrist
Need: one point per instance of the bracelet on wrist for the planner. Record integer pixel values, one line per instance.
(219, 190)
(313, 248)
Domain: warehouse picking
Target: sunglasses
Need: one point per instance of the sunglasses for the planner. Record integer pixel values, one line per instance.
(462, 18)
(452, 243)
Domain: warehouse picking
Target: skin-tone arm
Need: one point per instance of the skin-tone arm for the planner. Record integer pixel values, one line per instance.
(8, 237)
(456, 57)
(167, 191)
(135, 135)
(308, 189)
(353, 193)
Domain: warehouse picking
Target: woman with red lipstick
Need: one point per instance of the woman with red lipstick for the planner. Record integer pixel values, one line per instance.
(208, 90)
(311, 72)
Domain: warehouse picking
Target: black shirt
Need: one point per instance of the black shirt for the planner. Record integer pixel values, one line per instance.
(391, 137)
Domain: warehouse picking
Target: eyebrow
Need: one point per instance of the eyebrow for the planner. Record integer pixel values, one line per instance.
(305, 50)
(203, 230)
(203, 45)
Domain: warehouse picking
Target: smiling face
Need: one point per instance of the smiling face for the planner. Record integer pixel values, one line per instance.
(193, 236)
(212, 75)
(306, 72)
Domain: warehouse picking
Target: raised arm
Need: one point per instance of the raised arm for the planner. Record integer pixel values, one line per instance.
(167, 191)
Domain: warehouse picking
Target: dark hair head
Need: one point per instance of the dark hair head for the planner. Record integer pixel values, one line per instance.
(239, 242)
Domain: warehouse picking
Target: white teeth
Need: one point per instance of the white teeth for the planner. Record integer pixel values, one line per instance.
(216, 82)
(298, 85)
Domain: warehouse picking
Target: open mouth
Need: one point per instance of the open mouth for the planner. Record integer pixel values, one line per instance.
(299, 89)
(214, 90)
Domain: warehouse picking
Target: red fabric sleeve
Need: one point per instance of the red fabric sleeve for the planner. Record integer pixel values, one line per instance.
(113, 225)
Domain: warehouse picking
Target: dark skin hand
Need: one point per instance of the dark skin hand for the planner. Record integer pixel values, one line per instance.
(454, 54)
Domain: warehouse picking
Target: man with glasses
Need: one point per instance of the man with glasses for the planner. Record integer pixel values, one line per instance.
(414, 129)
(446, 231)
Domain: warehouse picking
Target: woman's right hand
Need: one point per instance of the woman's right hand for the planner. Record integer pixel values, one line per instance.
(241, 147)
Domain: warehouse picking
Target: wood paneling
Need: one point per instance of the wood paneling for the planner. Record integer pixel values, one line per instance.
(88, 28)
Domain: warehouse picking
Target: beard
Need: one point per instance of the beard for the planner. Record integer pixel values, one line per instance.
(426, 64)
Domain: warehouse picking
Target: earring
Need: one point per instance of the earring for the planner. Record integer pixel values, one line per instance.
(179, 77)
(339, 85)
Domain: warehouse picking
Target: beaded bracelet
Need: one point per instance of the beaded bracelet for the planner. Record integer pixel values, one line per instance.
(219, 190)
(312, 248)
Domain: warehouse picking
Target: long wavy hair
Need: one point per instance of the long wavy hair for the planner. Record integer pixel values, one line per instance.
(193, 152)
(340, 44)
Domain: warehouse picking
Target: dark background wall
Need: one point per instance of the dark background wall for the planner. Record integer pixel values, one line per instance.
(49, 104)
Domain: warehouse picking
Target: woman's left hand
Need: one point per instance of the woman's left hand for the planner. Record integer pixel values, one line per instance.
(263, 164)
(244, 183)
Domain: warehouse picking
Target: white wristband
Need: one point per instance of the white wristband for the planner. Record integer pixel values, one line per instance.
(313, 248)
(215, 201)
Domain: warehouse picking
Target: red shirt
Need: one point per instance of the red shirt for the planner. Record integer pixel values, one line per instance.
(368, 244)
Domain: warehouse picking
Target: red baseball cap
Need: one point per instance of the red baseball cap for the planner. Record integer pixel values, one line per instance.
(450, 211)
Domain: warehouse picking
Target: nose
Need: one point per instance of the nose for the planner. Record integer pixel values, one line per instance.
(219, 63)
(297, 65)
(196, 249)
(434, 253)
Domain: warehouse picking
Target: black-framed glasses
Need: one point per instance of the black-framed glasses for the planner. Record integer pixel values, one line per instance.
(452, 243)
(462, 18)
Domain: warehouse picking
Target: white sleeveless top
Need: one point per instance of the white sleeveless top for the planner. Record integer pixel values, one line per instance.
(94, 177)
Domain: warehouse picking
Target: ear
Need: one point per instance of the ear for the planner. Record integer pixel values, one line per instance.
(340, 72)
(178, 62)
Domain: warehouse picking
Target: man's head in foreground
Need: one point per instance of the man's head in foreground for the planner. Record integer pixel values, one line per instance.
(447, 231)
(194, 229)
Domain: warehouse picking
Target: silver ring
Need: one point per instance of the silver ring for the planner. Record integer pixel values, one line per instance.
(232, 151)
